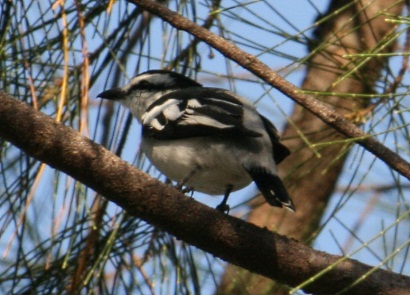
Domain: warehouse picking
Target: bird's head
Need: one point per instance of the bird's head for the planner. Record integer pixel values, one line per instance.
(145, 88)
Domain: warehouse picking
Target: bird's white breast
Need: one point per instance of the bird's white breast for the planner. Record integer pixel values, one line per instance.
(216, 164)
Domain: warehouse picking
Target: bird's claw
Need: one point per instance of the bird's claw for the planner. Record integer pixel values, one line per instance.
(223, 208)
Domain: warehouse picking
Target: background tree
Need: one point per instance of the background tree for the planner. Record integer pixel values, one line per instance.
(63, 237)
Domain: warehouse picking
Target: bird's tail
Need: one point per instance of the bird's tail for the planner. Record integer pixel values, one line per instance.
(272, 187)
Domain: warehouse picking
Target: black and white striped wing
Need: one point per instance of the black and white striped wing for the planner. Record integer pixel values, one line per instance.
(188, 113)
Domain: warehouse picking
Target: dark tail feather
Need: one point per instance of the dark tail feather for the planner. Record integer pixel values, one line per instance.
(271, 187)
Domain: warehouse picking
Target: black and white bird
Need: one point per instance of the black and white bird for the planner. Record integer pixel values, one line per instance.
(208, 139)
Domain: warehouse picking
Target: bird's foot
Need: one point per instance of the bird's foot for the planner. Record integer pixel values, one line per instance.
(187, 189)
(223, 208)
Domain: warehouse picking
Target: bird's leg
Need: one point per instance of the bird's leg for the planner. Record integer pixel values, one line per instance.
(184, 180)
(223, 207)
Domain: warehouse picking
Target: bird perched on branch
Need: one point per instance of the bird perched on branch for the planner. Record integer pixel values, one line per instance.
(208, 139)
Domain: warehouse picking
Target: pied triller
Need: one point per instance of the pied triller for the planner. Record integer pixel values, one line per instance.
(210, 140)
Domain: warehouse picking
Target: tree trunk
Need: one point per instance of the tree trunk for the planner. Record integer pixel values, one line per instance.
(311, 179)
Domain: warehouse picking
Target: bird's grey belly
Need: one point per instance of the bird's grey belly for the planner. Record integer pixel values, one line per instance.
(213, 167)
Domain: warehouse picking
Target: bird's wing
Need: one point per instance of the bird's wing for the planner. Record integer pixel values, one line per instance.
(195, 112)
(280, 151)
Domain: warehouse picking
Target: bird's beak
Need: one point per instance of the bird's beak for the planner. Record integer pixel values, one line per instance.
(112, 94)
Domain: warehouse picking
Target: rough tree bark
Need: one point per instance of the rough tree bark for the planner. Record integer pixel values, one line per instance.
(358, 28)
